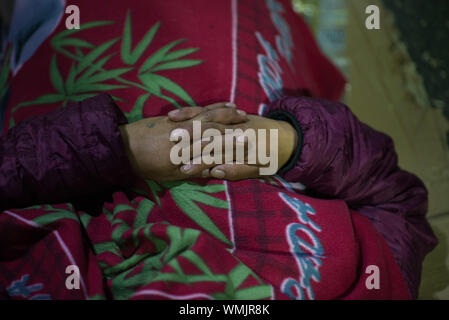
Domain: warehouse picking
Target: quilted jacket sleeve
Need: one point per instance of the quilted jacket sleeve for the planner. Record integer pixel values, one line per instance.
(63, 155)
(340, 157)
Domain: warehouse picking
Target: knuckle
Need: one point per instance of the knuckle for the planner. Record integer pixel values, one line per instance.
(208, 115)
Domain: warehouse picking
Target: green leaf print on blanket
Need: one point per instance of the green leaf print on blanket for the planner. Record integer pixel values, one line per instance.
(136, 252)
(186, 193)
(148, 253)
(88, 75)
(140, 270)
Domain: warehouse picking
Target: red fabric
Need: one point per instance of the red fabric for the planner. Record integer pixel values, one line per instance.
(258, 222)
(115, 256)
(350, 244)
(360, 166)
(204, 24)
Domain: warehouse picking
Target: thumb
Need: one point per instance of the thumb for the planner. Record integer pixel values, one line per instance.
(234, 171)
(188, 113)
(185, 113)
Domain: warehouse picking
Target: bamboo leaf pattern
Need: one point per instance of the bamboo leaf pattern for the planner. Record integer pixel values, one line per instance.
(47, 98)
(159, 56)
(167, 84)
(107, 75)
(94, 68)
(81, 97)
(171, 246)
(56, 77)
(89, 87)
(71, 79)
(129, 57)
(94, 54)
(176, 65)
(62, 36)
(125, 280)
(136, 113)
(185, 194)
(75, 42)
(152, 87)
(88, 75)
(109, 246)
(56, 214)
(143, 211)
(179, 53)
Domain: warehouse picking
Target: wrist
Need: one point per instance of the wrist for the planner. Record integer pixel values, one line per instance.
(288, 142)
(129, 144)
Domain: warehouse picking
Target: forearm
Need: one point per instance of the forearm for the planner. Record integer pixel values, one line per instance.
(64, 155)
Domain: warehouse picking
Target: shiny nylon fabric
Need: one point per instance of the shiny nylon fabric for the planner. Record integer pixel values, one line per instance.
(237, 43)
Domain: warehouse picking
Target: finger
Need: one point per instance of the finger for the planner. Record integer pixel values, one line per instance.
(223, 116)
(194, 148)
(191, 170)
(212, 154)
(234, 172)
(185, 113)
(216, 150)
(188, 128)
(220, 105)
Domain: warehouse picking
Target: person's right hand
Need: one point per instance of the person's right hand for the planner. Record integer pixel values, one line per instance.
(148, 142)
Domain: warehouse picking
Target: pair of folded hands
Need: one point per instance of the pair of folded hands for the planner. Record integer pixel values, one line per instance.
(148, 143)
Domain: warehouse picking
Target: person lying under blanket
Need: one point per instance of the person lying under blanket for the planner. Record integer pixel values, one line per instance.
(92, 207)
(278, 243)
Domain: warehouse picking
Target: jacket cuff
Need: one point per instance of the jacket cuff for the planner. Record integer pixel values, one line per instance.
(104, 142)
(283, 115)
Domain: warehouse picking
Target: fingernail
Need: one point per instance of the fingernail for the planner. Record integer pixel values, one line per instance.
(230, 104)
(219, 174)
(241, 112)
(173, 112)
(185, 168)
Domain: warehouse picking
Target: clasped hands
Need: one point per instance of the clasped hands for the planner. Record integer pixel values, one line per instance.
(148, 143)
